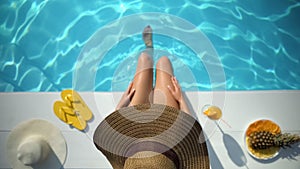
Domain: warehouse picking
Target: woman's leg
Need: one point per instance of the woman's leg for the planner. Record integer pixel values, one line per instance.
(143, 79)
(164, 72)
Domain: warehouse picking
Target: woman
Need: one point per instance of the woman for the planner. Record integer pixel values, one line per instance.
(166, 91)
(152, 127)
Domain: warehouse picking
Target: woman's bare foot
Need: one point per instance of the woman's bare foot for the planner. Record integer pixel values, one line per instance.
(147, 36)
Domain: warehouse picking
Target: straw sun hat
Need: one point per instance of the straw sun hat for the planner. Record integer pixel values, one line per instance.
(36, 144)
(152, 136)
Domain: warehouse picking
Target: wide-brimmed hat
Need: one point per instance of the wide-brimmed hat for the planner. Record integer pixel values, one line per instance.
(152, 136)
(36, 144)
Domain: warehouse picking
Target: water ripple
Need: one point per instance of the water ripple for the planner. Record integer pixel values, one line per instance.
(255, 43)
(31, 15)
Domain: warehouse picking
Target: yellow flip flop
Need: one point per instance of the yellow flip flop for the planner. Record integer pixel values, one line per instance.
(73, 100)
(69, 115)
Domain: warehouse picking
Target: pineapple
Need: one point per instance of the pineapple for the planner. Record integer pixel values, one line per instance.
(265, 139)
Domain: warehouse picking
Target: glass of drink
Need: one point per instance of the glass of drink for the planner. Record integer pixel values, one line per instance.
(212, 112)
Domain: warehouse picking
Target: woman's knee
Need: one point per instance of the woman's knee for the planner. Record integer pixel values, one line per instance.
(165, 65)
(144, 62)
(145, 58)
(164, 60)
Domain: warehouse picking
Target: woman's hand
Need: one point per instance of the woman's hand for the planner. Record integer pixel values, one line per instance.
(127, 96)
(176, 90)
(177, 94)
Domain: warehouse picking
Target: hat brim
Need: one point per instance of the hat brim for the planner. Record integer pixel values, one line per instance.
(160, 123)
(48, 132)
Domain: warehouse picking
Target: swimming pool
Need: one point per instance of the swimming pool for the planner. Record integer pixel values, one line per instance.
(41, 42)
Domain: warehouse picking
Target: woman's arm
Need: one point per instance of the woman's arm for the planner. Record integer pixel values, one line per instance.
(125, 99)
(177, 94)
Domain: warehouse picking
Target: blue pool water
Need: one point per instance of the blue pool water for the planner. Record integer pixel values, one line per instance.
(42, 43)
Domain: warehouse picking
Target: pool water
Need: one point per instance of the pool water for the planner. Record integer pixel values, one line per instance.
(42, 43)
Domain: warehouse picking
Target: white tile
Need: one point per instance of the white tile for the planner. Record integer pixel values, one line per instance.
(240, 108)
